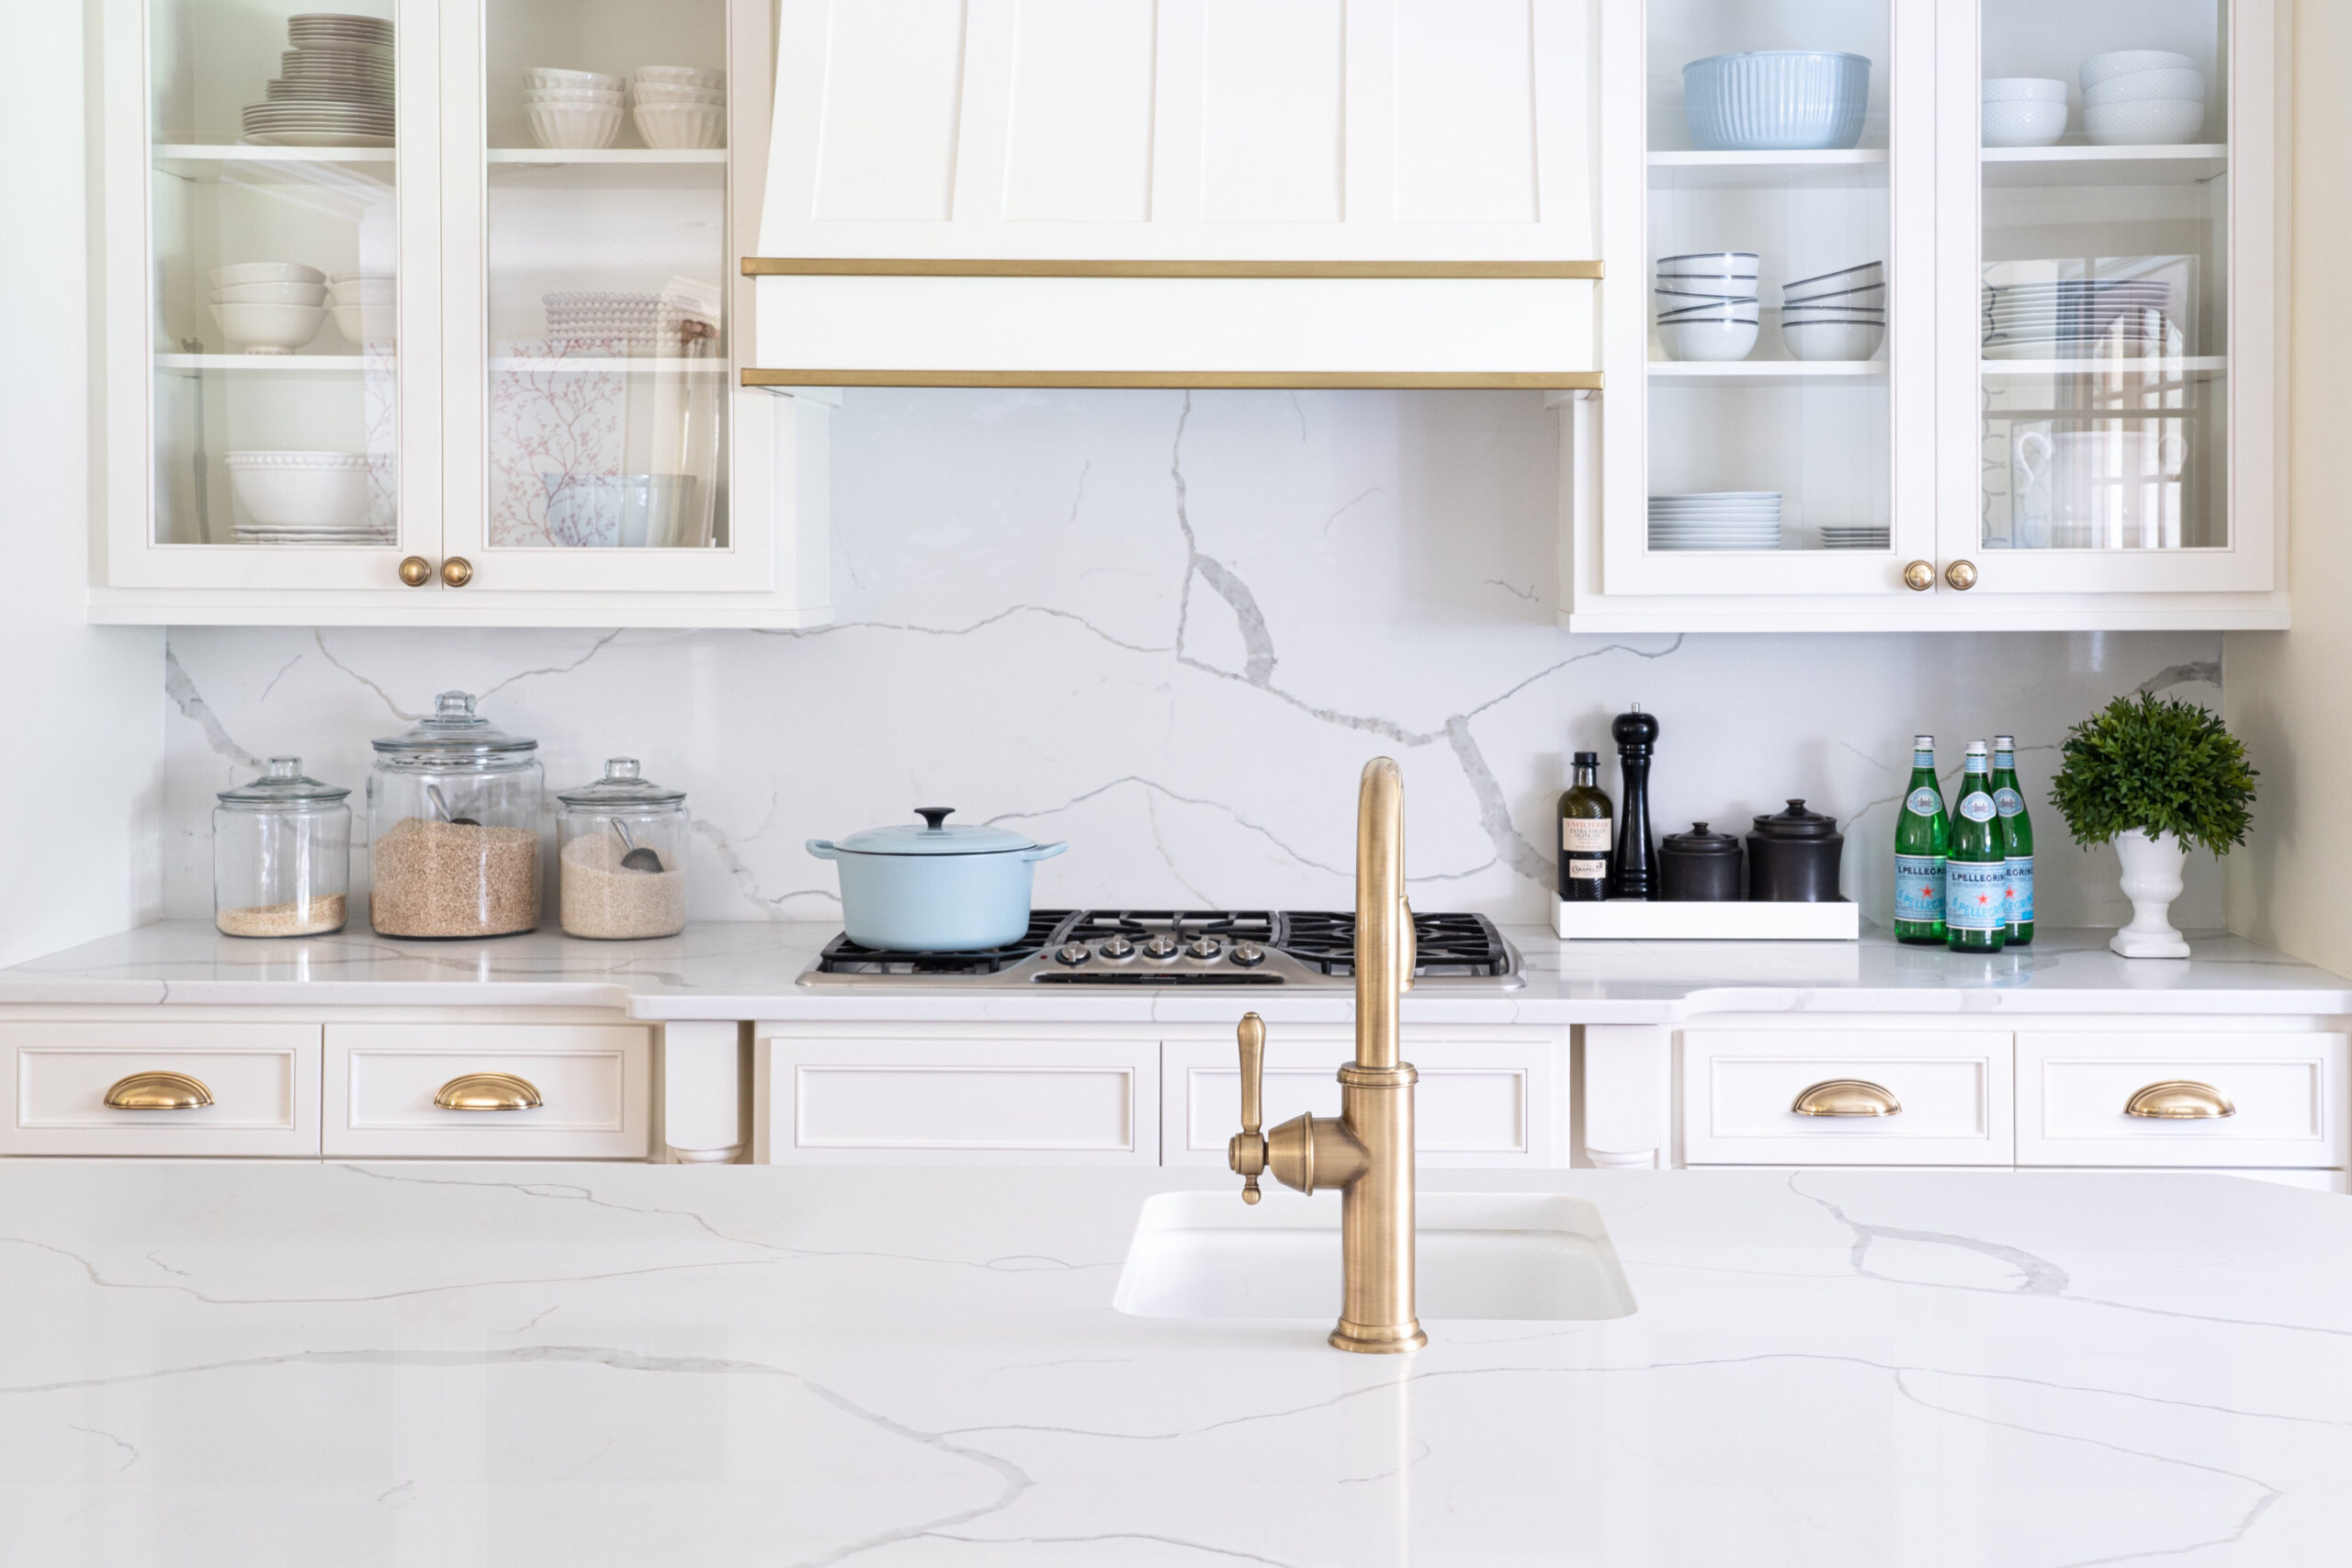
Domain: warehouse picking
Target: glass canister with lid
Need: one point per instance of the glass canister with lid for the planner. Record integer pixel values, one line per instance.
(282, 855)
(453, 812)
(623, 858)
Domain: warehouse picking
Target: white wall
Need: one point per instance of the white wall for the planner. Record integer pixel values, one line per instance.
(80, 780)
(1172, 631)
(2286, 697)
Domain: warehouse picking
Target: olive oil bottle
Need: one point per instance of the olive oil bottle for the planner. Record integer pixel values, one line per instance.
(1588, 832)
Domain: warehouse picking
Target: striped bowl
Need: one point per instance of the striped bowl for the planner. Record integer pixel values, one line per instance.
(1776, 100)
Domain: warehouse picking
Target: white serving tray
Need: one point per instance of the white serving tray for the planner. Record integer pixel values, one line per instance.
(1641, 919)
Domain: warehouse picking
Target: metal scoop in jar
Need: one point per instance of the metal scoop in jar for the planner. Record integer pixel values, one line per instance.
(637, 857)
(441, 808)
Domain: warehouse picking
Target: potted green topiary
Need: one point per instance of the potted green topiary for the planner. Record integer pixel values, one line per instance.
(2157, 778)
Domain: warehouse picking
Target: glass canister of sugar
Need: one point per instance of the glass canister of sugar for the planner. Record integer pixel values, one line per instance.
(282, 855)
(623, 862)
(453, 818)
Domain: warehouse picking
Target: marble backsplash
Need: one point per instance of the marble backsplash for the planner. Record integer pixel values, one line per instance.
(1170, 630)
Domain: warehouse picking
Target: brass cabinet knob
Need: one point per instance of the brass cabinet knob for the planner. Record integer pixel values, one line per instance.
(416, 571)
(2179, 1099)
(1919, 576)
(158, 1091)
(1845, 1097)
(457, 571)
(487, 1091)
(1962, 574)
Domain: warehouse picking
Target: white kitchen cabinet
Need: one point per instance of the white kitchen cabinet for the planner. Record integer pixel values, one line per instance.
(240, 1088)
(540, 1091)
(525, 412)
(1965, 475)
(1180, 193)
(2283, 1096)
(1941, 1097)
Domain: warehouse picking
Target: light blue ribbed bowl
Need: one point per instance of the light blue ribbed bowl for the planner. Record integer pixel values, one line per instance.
(1776, 100)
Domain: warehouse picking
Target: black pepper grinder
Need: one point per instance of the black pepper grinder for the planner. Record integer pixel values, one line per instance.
(1633, 873)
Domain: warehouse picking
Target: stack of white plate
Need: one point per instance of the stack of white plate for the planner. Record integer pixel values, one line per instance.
(2079, 318)
(335, 89)
(2141, 97)
(1856, 537)
(305, 498)
(1717, 520)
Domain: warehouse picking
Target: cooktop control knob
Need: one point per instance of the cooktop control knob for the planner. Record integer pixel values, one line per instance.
(1249, 954)
(1160, 946)
(1117, 949)
(1204, 947)
(1072, 954)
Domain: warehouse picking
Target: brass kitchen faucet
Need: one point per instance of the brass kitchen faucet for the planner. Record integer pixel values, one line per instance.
(1367, 1151)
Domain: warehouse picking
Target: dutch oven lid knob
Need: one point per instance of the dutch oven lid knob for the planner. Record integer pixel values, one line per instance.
(934, 817)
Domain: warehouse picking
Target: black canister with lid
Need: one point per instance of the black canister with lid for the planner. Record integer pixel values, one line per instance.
(1699, 866)
(1792, 857)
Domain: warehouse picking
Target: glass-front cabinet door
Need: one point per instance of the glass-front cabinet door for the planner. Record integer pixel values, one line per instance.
(588, 245)
(1782, 233)
(2115, 355)
(267, 408)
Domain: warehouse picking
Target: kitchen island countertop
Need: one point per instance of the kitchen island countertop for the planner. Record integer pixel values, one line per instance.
(747, 970)
(523, 1365)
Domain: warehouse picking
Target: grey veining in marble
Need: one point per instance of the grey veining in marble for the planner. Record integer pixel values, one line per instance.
(1171, 629)
(734, 969)
(452, 1364)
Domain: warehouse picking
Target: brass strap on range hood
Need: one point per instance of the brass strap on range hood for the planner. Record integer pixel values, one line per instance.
(961, 266)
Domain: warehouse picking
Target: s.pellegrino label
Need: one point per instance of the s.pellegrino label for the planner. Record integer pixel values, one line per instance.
(1976, 895)
(1919, 888)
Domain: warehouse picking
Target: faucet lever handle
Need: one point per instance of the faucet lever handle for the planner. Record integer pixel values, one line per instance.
(1246, 1153)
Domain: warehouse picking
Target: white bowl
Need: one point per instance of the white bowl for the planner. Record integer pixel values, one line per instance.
(2018, 123)
(1715, 340)
(554, 76)
(1870, 296)
(334, 492)
(1686, 292)
(1833, 340)
(683, 75)
(269, 329)
(266, 272)
(671, 92)
(571, 98)
(1838, 282)
(1734, 311)
(1711, 263)
(2153, 122)
(679, 126)
(270, 294)
(366, 322)
(2142, 85)
(2024, 90)
(2124, 62)
(580, 128)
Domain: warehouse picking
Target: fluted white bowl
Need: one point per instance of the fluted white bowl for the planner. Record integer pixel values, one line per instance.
(579, 128)
(685, 76)
(2152, 122)
(571, 98)
(554, 76)
(671, 92)
(2024, 89)
(2020, 123)
(681, 126)
(1776, 99)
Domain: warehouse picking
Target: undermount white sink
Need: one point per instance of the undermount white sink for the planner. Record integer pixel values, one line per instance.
(1479, 1255)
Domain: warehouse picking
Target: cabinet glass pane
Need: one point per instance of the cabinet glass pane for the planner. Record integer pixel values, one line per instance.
(2104, 363)
(606, 136)
(1768, 228)
(272, 210)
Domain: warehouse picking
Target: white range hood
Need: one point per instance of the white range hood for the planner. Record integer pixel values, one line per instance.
(1178, 193)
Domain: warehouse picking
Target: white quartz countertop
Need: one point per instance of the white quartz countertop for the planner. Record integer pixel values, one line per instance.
(214, 1362)
(746, 970)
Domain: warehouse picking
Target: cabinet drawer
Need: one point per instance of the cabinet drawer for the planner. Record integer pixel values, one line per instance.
(873, 1101)
(263, 1079)
(1953, 1088)
(2286, 1090)
(1476, 1104)
(594, 1083)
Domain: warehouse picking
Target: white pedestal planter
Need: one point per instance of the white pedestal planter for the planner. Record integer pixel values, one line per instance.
(2152, 881)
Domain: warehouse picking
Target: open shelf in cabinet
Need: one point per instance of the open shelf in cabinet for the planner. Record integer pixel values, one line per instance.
(2190, 164)
(1718, 171)
(273, 364)
(1765, 372)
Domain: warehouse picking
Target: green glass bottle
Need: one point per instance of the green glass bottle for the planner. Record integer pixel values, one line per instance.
(1922, 845)
(1976, 878)
(2017, 825)
(1587, 836)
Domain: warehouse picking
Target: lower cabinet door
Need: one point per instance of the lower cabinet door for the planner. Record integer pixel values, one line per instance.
(2282, 1094)
(868, 1100)
(1940, 1097)
(1477, 1103)
(487, 1091)
(159, 1088)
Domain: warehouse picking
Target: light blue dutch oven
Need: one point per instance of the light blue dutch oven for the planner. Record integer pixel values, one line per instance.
(933, 888)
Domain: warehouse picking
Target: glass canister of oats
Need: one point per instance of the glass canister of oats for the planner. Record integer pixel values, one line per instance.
(453, 814)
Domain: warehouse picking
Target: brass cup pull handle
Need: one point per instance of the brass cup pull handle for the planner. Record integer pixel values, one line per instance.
(416, 571)
(487, 1091)
(1845, 1097)
(1246, 1153)
(2179, 1099)
(1919, 576)
(457, 571)
(158, 1091)
(1962, 575)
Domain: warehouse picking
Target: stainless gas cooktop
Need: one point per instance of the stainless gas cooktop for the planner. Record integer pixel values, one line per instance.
(1306, 949)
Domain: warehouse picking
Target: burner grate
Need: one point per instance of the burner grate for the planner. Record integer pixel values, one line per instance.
(843, 956)
(1444, 944)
